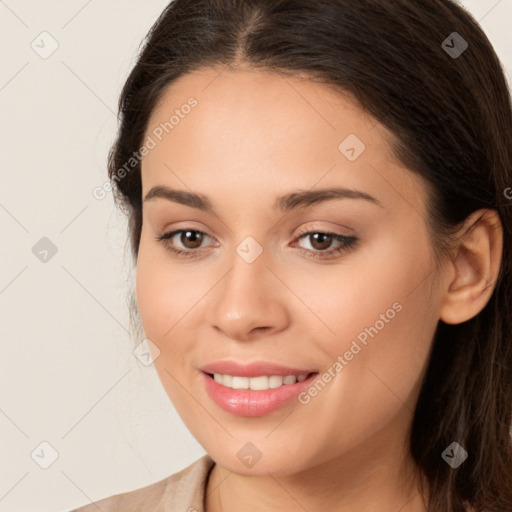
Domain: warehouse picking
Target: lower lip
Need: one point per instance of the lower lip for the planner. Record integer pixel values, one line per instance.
(244, 402)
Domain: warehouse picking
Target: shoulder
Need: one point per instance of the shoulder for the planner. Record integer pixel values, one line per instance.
(182, 491)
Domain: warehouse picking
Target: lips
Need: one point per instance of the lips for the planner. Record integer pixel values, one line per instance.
(254, 369)
(242, 402)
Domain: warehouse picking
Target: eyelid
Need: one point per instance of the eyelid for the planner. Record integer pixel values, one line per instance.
(308, 228)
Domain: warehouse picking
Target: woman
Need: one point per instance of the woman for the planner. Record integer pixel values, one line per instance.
(319, 209)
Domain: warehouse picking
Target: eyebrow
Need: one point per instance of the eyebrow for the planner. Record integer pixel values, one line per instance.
(285, 203)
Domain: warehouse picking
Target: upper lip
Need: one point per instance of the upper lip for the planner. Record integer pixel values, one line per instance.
(254, 369)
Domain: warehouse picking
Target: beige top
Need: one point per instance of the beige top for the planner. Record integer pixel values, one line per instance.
(181, 492)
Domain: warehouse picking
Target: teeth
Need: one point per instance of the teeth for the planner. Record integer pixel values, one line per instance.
(275, 381)
(240, 382)
(257, 383)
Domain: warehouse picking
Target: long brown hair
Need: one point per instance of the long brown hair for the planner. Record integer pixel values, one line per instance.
(425, 70)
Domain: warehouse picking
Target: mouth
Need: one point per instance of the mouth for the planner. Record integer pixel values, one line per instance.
(256, 396)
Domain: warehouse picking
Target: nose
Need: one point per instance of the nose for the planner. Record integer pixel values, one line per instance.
(249, 299)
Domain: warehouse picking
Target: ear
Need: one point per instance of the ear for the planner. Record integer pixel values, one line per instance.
(474, 268)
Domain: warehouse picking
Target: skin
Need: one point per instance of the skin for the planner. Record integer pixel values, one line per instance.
(253, 136)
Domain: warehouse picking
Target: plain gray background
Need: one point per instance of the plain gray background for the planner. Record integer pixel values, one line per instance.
(68, 376)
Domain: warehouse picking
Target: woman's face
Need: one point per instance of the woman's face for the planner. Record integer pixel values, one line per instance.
(359, 312)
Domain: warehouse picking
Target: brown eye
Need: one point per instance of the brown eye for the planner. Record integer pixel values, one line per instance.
(322, 241)
(191, 239)
(185, 242)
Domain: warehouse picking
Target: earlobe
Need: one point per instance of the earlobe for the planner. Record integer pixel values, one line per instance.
(476, 267)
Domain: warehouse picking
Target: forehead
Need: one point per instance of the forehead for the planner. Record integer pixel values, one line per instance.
(264, 130)
(264, 102)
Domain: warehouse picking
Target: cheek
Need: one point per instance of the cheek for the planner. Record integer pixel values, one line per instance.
(384, 319)
(381, 293)
(148, 299)
(382, 380)
(346, 298)
(161, 306)
(168, 301)
(157, 294)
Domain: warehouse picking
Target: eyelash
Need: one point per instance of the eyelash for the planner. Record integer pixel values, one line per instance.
(347, 243)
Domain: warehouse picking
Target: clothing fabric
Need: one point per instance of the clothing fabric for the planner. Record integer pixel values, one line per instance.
(184, 491)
